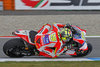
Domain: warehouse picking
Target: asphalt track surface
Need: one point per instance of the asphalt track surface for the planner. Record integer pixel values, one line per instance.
(94, 41)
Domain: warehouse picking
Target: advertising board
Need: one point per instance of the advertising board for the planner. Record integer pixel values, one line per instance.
(57, 4)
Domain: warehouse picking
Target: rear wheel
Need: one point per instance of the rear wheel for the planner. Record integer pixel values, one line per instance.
(13, 47)
(81, 54)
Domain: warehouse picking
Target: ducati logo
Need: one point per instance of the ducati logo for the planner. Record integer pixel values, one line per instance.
(35, 3)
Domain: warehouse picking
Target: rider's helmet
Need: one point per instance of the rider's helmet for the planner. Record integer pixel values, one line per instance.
(66, 34)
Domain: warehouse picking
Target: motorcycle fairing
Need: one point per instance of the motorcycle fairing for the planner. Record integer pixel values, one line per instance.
(45, 39)
(52, 41)
(25, 35)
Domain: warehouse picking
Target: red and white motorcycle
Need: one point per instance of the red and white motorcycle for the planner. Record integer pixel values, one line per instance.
(25, 46)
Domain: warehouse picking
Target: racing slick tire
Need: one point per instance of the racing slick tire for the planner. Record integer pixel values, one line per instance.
(10, 48)
(80, 54)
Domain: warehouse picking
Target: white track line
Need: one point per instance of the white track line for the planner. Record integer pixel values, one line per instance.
(31, 59)
(92, 36)
(9, 37)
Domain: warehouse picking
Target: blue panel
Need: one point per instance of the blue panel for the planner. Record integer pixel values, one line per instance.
(46, 39)
(76, 36)
(95, 59)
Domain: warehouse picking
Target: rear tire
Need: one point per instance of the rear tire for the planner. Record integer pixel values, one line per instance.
(10, 47)
(85, 53)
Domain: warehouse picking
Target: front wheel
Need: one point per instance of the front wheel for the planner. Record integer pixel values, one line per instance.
(12, 48)
(85, 52)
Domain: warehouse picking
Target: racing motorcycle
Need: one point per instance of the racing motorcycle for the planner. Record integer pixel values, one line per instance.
(25, 45)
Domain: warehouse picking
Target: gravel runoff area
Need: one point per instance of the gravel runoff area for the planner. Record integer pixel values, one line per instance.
(10, 23)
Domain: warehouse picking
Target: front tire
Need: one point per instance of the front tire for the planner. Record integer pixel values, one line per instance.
(10, 48)
(85, 52)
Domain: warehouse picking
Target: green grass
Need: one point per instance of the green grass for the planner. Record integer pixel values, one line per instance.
(51, 64)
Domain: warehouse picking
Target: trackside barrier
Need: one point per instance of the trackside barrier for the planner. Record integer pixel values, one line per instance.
(57, 4)
(51, 4)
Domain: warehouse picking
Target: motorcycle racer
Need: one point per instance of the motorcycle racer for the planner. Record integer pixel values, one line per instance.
(52, 40)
